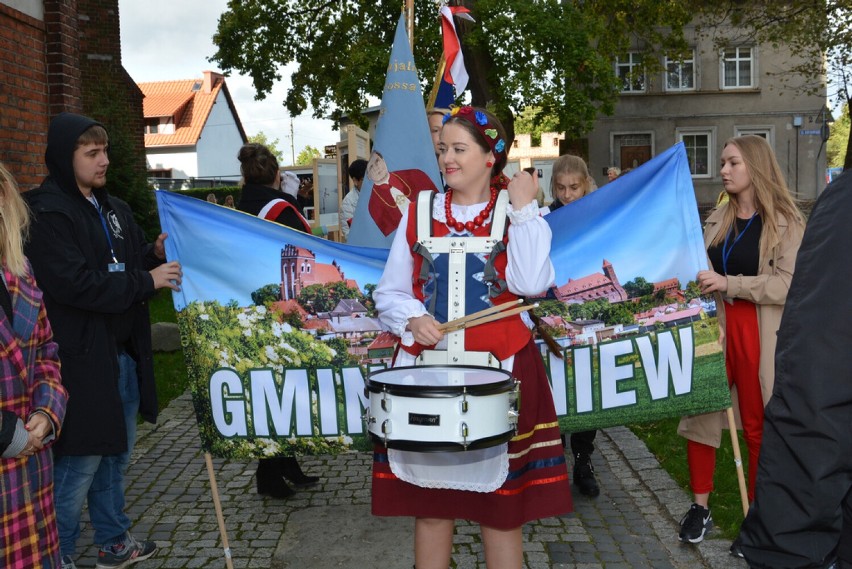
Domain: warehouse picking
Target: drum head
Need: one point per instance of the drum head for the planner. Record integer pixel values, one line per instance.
(439, 381)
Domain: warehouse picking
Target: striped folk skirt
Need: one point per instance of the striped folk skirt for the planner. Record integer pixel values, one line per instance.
(537, 485)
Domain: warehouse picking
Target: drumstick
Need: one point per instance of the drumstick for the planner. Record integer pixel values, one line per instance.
(493, 317)
(480, 314)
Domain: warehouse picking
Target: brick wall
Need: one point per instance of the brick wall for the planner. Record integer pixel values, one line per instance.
(110, 94)
(23, 96)
(71, 61)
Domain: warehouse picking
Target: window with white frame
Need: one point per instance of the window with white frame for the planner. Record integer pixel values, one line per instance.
(766, 132)
(628, 69)
(699, 150)
(680, 73)
(738, 67)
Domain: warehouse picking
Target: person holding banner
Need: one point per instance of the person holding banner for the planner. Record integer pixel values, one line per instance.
(752, 241)
(261, 193)
(33, 404)
(500, 491)
(260, 197)
(570, 181)
(97, 273)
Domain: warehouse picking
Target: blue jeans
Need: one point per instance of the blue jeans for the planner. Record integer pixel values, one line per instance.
(98, 478)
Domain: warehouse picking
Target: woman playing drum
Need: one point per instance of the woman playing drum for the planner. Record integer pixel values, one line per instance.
(499, 488)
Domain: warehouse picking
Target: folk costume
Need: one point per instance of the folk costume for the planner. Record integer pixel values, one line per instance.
(29, 382)
(504, 486)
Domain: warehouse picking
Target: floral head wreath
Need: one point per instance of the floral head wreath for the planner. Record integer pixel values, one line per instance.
(480, 121)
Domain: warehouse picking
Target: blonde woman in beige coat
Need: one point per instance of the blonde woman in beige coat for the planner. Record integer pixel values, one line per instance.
(751, 241)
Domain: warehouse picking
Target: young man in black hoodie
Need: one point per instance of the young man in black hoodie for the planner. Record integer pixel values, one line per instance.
(96, 271)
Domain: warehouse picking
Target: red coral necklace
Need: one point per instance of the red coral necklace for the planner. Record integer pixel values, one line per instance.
(477, 221)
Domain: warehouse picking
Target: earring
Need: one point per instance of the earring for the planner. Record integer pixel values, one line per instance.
(489, 163)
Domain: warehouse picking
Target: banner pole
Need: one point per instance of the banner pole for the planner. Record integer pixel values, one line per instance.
(214, 489)
(738, 459)
(442, 64)
(409, 21)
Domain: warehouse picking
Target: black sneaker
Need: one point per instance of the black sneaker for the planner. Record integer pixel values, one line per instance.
(736, 550)
(125, 554)
(584, 476)
(695, 524)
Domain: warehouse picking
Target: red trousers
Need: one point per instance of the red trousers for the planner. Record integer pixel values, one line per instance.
(742, 361)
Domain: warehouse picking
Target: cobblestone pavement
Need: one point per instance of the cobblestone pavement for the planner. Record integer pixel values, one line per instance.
(632, 524)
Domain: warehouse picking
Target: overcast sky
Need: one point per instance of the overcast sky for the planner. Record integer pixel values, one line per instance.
(163, 40)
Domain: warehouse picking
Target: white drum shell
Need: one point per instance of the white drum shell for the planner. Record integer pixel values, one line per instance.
(442, 421)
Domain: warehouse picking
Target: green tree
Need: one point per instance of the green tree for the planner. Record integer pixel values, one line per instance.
(307, 155)
(272, 145)
(638, 287)
(556, 56)
(839, 139)
(619, 313)
(324, 297)
(532, 121)
(266, 294)
(692, 291)
(551, 308)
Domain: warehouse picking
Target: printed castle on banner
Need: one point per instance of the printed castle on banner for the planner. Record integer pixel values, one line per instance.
(614, 310)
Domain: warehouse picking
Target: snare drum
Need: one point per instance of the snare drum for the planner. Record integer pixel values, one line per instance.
(441, 408)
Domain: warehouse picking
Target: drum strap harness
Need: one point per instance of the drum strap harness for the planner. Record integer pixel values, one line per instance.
(457, 247)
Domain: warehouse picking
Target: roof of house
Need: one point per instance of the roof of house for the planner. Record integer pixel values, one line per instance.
(286, 306)
(190, 102)
(347, 306)
(383, 341)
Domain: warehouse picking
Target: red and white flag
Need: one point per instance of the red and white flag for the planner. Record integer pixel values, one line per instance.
(455, 71)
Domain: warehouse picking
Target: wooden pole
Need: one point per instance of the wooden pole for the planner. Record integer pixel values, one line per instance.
(442, 64)
(738, 459)
(214, 489)
(409, 22)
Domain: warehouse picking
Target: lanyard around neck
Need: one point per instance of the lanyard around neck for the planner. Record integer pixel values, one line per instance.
(726, 251)
(106, 230)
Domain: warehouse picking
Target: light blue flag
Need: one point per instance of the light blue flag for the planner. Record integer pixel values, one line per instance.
(405, 146)
(644, 223)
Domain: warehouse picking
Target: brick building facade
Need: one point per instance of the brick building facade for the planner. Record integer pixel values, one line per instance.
(63, 55)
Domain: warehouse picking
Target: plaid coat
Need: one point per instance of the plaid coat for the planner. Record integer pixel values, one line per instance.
(29, 381)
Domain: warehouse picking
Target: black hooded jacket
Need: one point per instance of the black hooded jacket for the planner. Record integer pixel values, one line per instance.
(93, 312)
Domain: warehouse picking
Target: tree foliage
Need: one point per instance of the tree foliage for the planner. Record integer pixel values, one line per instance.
(272, 145)
(307, 155)
(838, 140)
(325, 297)
(638, 287)
(266, 294)
(553, 55)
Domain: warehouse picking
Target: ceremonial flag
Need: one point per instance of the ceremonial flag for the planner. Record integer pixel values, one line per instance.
(402, 163)
(455, 72)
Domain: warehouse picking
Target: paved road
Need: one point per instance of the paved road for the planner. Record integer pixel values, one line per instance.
(632, 524)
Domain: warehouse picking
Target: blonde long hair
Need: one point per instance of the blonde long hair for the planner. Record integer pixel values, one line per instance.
(570, 164)
(771, 194)
(14, 222)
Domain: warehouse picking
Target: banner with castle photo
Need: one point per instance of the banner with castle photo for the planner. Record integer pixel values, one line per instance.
(279, 329)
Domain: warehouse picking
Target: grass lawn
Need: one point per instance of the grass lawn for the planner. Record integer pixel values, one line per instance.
(670, 449)
(661, 437)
